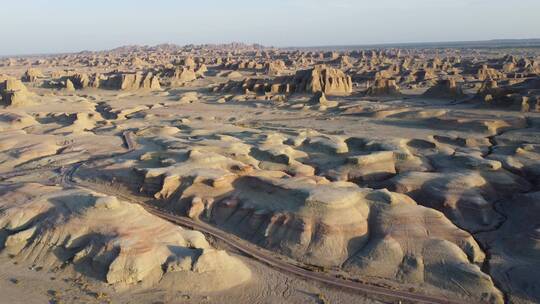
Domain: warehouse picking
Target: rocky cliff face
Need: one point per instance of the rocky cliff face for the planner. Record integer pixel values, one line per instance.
(323, 79)
(318, 79)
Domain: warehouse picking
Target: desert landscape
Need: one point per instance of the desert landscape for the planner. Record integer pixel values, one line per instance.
(284, 152)
(242, 173)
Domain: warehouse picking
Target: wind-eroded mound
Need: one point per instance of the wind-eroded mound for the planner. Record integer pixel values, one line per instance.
(259, 189)
(331, 224)
(112, 240)
(465, 196)
(413, 244)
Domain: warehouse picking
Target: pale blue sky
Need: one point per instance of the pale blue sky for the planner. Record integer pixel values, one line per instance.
(47, 26)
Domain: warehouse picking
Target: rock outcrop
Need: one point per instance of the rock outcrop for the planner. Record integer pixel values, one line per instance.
(275, 68)
(182, 75)
(13, 92)
(32, 75)
(445, 89)
(268, 193)
(117, 242)
(133, 81)
(384, 87)
(490, 91)
(323, 79)
(318, 79)
(69, 85)
(81, 81)
(487, 73)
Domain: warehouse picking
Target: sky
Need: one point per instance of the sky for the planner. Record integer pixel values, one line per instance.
(53, 26)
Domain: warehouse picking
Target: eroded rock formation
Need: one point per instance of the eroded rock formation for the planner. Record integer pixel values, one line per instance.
(118, 242)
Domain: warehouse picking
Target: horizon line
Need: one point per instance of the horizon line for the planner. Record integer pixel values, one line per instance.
(444, 44)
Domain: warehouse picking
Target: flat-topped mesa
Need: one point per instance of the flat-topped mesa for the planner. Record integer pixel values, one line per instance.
(317, 79)
(323, 79)
(384, 87)
(133, 81)
(445, 88)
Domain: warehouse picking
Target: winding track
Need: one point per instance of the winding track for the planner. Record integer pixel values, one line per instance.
(250, 250)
